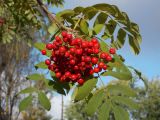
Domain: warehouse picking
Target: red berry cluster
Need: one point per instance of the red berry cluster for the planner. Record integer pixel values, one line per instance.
(74, 59)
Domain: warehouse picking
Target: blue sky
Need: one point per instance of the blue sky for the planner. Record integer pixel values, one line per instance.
(146, 14)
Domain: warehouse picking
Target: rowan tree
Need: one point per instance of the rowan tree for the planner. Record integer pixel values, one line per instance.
(81, 50)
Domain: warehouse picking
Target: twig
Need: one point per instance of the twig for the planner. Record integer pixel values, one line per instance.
(77, 23)
(52, 17)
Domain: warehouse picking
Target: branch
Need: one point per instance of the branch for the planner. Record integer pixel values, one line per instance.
(52, 17)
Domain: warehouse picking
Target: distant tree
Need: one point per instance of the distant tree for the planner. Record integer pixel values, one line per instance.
(20, 22)
(13, 66)
(149, 102)
(35, 113)
(23, 19)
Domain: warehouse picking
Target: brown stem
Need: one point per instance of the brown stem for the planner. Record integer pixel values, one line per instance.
(62, 108)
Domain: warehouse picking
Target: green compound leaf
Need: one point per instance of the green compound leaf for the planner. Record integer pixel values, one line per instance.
(53, 28)
(123, 90)
(83, 91)
(36, 76)
(118, 69)
(41, 65)
(99, 23)
(134, 44)
(128, 102)
(104, 110)
(120, 113)
(104, 46)
(84, 26)
(25, 103)
(44, 101)
(94, 102)
(28, 90)
(121, 38)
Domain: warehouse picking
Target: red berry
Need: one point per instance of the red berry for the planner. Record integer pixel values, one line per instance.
(78, 75)
(95, 50)
(108, 58)
(78, 40)
(101, 65)
(91, 72)
(57, 52)
(72, 50)
(64, 34)
(51, 67)
(90, 51)
(84, 44)
(94, 40)
(67, 74)
(67, 54)
(73, 77)
(103, 55)
(49, 46)
(88, 59)
(112, 51)
(72, 62)
(82, 63)
(56, 70)
(80, 81)
(65, 39)
(58, 74)
(62, 49)
(47, 62)
(43, 52)
(55, 46)
(62, 79)
(96, 45)
(96, 70)
(90, 44)
(69, 36)
(104, 67)
(71, 42)
(53, 53)
(94, 60)
(79, 51)
(76, 67)
(57, 38)
(71, 56)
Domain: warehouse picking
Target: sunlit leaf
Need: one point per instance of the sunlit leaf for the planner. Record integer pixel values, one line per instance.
(25, 103)
(44, 101)
(53, 28)
(94, 102)
(83, 91)
(35, 76)
(84, 26)
(104, 110)
(41, 65)
(28, 90)
(120, 113)
(125, 101)
(122, 90)
(134, 44)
